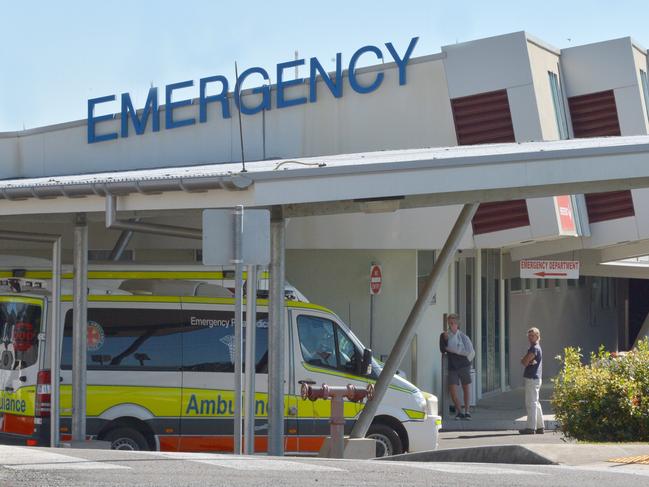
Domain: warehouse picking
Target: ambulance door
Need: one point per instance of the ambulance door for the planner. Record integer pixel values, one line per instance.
(208, 378)
(324, 354)
(20, 341)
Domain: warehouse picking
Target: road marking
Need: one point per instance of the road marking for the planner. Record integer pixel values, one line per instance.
(248, 463)
(466, 468)
(22, 458)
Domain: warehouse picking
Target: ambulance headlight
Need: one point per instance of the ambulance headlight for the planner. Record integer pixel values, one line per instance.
(421, 401)
(431, 405)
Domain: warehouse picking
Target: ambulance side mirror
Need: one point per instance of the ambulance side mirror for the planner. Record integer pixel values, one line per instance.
(365, 365)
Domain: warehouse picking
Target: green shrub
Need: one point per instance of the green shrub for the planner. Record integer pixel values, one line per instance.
(606, 400)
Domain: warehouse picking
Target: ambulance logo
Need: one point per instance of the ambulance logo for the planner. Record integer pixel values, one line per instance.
(95, 336)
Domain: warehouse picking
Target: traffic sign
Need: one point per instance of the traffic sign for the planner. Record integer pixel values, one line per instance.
(549, 269)
(218, 237)
(376, 279)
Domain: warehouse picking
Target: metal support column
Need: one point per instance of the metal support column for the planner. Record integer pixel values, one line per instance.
(251, 329)
(477, 320)
(276, 336)
(56, 333)
(238, 324)
(502, 313)
(79, 329)
(409, 329)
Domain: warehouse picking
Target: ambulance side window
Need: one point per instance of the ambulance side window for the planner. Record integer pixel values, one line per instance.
(324, 343)
(208, 341)
(128, 339)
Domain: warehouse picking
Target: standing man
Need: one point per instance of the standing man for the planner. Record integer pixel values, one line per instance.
(532, 374)
(460, 352)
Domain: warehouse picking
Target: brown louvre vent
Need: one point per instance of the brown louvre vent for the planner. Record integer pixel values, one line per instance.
(594, 115)
(609, 206)
(501, 215)
(487, 119)
(483, 118)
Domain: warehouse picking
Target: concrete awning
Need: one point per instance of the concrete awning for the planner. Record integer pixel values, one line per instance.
(349, 182)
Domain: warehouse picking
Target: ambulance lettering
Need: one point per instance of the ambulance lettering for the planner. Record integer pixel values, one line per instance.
(9, 404)
(219, 406)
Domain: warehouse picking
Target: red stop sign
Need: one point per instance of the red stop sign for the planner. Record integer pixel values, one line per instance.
(376, 279)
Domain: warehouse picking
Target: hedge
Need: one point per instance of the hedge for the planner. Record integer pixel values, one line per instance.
(606, 400)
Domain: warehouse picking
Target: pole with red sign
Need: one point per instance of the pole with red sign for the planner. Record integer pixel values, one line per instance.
(376, 281)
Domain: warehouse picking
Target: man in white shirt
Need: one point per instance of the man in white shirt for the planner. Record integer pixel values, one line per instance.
(460, 352)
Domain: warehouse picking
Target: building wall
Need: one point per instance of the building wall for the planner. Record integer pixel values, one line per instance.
(339, 280)
(568, 316)
(394, 116)
(497, 63)
(542, 60)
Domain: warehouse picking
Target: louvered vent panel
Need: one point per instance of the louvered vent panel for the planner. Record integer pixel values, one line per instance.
(487, 119)
(501, 215)
(594, 115)
(609, 206)
(483, 118)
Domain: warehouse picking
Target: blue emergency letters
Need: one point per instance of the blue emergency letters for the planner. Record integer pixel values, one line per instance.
(220, 86)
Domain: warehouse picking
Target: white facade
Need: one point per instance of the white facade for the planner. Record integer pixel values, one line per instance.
(328, 257)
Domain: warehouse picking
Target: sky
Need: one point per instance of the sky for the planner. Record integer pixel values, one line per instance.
(54, 56)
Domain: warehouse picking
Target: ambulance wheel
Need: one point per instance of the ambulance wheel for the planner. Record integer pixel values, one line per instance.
(387, 440)
(126, 439)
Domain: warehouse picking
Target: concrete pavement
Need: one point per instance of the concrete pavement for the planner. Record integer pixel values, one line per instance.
(29, 467)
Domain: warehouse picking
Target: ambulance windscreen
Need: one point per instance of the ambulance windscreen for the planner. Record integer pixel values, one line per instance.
(20, 324)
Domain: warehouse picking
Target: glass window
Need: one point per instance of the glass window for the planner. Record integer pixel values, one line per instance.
(317, 340)
(323, 343)
(645, 90)
(128, 338)
(208, 341)
(20, 324)
(559, 110)
(346, 352)
(515, 284)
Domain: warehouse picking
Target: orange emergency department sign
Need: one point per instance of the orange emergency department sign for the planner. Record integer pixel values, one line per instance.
(549, 269)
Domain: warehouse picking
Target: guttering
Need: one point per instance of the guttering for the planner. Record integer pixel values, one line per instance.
(44, 190)
(112, 223)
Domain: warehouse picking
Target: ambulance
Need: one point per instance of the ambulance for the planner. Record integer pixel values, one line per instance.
(160, 366)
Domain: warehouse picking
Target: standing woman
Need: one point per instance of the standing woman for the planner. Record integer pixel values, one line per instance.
(532, 361)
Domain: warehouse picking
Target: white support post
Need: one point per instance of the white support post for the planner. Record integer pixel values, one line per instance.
(503, 317)
(276, 336)
(238, 324)
(477, 320)
(79, 329)
(55, 342)
(251, 328)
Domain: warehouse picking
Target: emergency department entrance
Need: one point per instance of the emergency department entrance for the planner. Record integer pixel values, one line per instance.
(353, 184)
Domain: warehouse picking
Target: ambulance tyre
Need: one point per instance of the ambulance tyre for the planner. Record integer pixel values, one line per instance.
(126, 439)
(387, 440)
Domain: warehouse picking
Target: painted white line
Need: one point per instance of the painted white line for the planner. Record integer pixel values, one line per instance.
(466, 468)
(22, 458)
(259, 463)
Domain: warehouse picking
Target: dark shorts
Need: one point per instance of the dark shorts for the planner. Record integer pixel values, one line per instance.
(460, 376)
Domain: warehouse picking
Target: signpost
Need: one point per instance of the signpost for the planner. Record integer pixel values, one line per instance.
(238, 237)
(376, 282)
(376, 279)
(549, 269)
